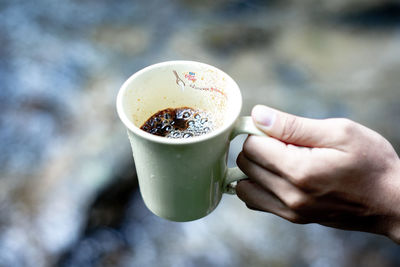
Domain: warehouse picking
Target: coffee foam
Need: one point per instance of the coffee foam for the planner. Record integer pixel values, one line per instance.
(181, 122)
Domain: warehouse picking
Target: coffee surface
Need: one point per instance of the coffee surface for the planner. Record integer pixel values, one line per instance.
(181, 122)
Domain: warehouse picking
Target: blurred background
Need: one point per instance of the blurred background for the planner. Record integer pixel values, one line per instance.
(68, 189)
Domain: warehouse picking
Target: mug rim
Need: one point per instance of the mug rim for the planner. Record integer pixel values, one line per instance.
(179, 141)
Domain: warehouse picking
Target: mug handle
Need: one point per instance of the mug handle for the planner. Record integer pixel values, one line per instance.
(244, 125)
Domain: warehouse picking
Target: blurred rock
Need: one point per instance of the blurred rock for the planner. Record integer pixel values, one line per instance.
(382, 15)
(340, 6)
(227, 6)
(230, 38)
(128, 40)
(207, 4)
(111, 203)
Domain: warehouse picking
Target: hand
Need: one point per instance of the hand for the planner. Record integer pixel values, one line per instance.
(334, 172)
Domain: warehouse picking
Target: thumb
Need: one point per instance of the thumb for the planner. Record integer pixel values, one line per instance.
(289, 128)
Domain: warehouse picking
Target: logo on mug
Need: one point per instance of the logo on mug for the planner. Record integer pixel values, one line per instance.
(191, 76)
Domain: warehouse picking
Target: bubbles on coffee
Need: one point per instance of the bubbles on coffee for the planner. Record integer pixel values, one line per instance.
(181, 122)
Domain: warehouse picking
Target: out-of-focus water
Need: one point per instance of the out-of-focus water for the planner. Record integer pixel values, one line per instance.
(68, 194)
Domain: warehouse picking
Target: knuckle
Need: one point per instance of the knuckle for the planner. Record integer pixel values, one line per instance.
(301, 173)
(347, 128)
(289, 127)
(300, 178)
(298, 202)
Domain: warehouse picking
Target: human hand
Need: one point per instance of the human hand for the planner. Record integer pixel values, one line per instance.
(334, 172)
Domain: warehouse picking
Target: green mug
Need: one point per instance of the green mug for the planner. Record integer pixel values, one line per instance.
(183, 179)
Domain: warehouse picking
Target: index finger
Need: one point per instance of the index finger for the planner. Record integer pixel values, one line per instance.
(284, 159)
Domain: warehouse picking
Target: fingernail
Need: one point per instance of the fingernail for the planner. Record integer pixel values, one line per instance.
(263, 115)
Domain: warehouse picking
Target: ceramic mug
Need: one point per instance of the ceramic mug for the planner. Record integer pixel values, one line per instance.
(183, 179)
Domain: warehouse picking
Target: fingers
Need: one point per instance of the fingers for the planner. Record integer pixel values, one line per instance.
(267, 191)
(288, 161)
(290, 195)
(292, 129)
(257, 198)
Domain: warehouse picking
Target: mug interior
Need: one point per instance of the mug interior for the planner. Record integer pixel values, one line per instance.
(155, 88)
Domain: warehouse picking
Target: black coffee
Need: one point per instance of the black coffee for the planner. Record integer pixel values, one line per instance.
(181, 122)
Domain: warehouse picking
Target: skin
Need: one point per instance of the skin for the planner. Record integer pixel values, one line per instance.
(334, 172)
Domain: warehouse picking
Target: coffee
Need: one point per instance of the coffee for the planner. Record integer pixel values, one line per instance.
(181, 122)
